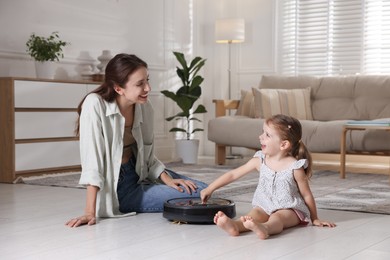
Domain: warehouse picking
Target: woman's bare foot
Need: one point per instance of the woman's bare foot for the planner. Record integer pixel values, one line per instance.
(226, 223)
(260, 230)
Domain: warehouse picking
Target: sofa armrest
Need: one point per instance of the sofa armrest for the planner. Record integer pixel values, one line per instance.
(221, 106)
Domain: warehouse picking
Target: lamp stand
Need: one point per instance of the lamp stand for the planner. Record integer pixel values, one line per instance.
(230, 155)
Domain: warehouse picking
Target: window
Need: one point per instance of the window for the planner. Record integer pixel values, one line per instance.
(333, 37)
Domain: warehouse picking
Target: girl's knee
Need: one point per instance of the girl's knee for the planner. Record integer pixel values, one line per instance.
(285, 218)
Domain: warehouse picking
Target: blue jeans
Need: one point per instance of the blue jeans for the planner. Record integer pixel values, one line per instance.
(147, 196)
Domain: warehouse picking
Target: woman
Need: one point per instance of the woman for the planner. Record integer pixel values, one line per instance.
(119, 167)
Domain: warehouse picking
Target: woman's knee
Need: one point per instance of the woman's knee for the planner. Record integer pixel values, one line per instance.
(201, 185)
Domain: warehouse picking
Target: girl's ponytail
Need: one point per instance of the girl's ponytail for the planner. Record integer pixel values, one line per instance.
(303, 153)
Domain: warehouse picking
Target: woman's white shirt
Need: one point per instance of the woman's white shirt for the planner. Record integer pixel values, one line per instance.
(101, 147)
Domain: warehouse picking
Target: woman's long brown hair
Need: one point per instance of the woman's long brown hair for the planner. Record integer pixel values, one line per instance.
(117, 73)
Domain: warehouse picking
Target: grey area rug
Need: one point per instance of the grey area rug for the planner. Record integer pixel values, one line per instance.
(358, 192)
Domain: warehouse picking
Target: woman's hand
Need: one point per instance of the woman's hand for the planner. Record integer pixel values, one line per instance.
(178, 184)
(86, 219)
(320, 223)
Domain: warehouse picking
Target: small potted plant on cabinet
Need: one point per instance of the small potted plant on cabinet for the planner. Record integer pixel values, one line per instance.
(185, 97)
(45, 51)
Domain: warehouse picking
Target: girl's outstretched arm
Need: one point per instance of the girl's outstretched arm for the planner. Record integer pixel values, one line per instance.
(307, 195)
(229, 177)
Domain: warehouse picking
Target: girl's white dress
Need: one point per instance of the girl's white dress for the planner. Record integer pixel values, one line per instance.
(279, 190)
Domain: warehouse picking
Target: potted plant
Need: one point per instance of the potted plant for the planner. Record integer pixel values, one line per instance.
(185, 98)
(45, 50)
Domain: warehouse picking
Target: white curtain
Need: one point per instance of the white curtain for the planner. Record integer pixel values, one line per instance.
(333, 37)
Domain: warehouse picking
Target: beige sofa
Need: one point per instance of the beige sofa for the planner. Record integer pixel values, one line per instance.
(331, 102)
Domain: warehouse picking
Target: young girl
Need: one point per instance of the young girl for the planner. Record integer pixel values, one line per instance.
(283, 198)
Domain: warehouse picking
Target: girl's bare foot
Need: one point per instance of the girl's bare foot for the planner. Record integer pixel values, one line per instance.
(226, 223)
(260, 230)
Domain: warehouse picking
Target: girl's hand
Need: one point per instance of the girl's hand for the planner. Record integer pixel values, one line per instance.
(320, 223)
(86, 219)
(205, 195)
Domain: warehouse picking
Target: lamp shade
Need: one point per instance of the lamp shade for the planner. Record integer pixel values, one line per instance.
(230, 30)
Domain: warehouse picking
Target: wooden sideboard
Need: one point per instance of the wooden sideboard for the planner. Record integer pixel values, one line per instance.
(37, 119)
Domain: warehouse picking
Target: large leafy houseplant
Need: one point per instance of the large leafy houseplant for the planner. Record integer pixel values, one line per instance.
(186, 96)
(43, 49)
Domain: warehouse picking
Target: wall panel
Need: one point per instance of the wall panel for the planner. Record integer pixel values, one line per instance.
(151, 29)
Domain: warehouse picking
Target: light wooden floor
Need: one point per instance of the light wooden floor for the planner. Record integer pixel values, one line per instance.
(32, 227)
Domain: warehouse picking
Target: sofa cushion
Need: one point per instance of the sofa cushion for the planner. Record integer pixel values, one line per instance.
(335, 99)
(324, 137)
(292, 102)
(352, 97)
(373, 96)
(290, 82)
(247, 104)
(240, 131)
(340, 98)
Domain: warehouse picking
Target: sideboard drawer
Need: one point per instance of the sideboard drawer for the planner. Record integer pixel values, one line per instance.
(44, 124)
(48, 94)
(46, 155)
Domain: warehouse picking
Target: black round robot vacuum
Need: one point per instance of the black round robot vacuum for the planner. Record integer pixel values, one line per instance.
(190, 210)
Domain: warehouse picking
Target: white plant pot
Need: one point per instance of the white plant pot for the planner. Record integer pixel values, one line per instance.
(45, 69)
(187, 150)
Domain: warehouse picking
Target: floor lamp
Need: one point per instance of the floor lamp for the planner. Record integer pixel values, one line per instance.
(230, 31)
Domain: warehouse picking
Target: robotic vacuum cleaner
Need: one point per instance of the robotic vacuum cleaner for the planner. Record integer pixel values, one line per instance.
(190, 210)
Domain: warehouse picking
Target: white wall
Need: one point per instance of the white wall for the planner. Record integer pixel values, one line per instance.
(151, 29)
(249, 60)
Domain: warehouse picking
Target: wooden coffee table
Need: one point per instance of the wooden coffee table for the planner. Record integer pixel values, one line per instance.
(351, 127)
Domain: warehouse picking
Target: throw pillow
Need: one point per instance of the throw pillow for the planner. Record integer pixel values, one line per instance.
(247, 104)
(292, 102)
